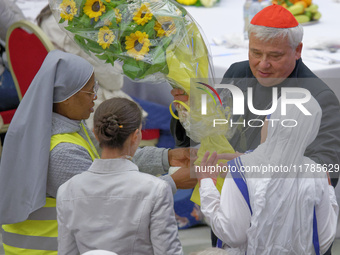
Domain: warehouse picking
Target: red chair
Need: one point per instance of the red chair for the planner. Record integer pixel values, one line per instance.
(26, 49)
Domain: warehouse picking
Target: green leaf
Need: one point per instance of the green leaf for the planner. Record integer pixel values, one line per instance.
(111, 60)
(110, 15)
(101, 57)
(116, 3)
(85, 20)
(149, 29)
(81, 42)
(116, 48)
(289, 3)
(94, 46)
(159, 62)
(79, 2)
(127, 29)
(166, 42)
(132, 69)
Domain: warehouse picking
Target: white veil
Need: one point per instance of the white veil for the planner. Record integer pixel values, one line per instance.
(283, 200)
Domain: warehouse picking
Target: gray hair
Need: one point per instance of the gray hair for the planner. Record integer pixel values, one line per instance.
(294, 34)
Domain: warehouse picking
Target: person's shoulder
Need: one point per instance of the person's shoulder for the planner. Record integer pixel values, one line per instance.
(238, 70)
(149, 178)
(317, 87)
(69, 189)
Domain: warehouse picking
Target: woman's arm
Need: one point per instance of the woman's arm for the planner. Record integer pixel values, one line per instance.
(228, 214)
(163, 226)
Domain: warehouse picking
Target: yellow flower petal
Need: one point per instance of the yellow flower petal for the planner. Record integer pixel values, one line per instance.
(137, 45)
(118, 16)
(165, 26)
(105, 37)
(94, 9)
(143, 15)
(68, 9)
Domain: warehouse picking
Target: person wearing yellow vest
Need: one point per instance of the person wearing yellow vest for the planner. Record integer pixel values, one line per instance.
(47, 143)
(113, 206)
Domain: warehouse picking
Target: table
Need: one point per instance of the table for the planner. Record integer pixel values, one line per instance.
(225, 20)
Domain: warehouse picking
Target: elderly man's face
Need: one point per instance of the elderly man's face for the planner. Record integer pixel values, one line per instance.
(273, 61)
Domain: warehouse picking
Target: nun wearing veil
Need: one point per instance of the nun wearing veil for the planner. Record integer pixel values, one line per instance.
(46, 144)
(274, 200)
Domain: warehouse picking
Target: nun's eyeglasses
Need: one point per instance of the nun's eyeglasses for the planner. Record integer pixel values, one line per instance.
(95, 89)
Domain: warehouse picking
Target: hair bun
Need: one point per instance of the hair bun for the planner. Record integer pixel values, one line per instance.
(110, 120)
(113, 120)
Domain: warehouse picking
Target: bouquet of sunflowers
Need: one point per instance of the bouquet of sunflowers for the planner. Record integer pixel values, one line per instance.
(153, 40)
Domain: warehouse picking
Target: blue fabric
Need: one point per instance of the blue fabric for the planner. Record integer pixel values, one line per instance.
(315, 235)
(219, 243)
(8, 93)
(188, 214)
(166, 140)
(239, 179)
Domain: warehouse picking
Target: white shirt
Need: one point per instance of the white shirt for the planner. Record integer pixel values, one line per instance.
(229, 215)
(114, 207)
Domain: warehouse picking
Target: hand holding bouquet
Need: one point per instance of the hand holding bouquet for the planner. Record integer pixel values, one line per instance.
(153, 40)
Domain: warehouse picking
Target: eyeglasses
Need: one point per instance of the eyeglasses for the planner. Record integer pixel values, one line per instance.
(95, 89)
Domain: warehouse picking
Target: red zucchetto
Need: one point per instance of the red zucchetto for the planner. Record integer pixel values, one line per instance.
(275, 16)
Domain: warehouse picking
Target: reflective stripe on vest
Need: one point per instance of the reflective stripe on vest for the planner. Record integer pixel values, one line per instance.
(38, 235)
(34, 236)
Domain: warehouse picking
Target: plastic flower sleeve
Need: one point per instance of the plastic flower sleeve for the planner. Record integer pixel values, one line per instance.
(153, 41)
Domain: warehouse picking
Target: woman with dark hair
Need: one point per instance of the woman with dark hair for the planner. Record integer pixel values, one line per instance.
(113, 206)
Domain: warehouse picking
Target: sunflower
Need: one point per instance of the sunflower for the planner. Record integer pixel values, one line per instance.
(165, 26)
(143, 15)
(118, 16)
(105, 37)
(94, 9)
(68, 9)
(187, 2)
(107, 22)
(137, 45)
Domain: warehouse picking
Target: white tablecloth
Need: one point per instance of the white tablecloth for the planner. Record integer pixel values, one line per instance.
(225, 20)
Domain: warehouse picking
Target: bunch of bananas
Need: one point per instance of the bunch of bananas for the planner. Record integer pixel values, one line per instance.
(303, 10)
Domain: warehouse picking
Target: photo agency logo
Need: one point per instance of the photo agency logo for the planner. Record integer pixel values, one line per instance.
(289, 96)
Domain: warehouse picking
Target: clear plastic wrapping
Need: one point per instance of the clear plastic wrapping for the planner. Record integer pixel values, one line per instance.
(153, 41)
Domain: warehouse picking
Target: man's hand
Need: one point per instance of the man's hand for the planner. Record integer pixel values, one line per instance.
(179, 95)
(208, 167)
(183, 179)
(182, 156)
(229, 156)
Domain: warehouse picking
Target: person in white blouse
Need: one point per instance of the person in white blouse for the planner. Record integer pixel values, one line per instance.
(113, 206)
(274, 200)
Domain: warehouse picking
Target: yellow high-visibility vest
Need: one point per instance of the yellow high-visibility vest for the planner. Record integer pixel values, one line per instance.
(38, 235)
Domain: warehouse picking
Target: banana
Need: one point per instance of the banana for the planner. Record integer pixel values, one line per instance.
(302, 18)
(317, 16)
(313, 8)
(296, 9)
